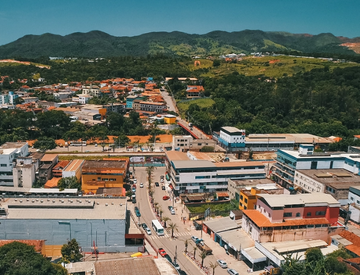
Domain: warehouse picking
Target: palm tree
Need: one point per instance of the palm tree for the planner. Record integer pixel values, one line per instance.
(195, 248)
(203, 255)
(151, 194)
(186, 242)
(172, 227)
(156, 205)
(160, 211)
(165, 219)
(149, 171)
(213, 266)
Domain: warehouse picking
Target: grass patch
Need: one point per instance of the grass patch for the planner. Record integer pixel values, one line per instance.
(201, 102)
(220, 207)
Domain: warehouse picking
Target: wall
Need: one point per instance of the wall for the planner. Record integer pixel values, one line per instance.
(332, 214)
(283, 235)
(307, 183)
(109, 235)
(273, 215)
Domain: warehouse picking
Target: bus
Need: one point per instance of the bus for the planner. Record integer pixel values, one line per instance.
(157, 227)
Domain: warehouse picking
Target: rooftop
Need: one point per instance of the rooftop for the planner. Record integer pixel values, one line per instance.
(293, 138)
(49, 157)
(52, 183)
(253, 182)
(66, 208)
(337, 178)
(305, 199)
(38, 244)
(176, 155)
(74, 165)
(104, 164)
(231, 129)
(183, 164)
(222, 224)
(261, 221)
(12, 145)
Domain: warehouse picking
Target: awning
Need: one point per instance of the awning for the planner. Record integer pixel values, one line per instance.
(253, 255)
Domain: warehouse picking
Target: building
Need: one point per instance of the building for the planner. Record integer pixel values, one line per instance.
(102, 222)
(47, 163)
(9, 152)
(92, 90)
(234, 186)
(189, 174)
(231, 138)
(193, 91)
(185, 143)
(170, 119)
(24, 172)
(156, 107)
(84, 98)
(59, 167)
(129, 101)
(103, 174)
(354, 200)
(287, 161)
(279, 218)
(73, 169)
(248, 198)
(335, 182)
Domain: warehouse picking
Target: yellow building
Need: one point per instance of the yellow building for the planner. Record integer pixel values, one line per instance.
(170, 119)
(248, 198)
(103, 174)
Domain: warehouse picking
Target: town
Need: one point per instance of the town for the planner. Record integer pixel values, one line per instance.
(172, 198)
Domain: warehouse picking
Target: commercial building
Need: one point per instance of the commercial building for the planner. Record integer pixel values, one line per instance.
(9, 152)
(152, 106)
(189, 174)
(248, 198)
(102, 222)
(234, 186)
(24, 172)
(335, 182)
(280, 218)
(103, 174)
(231, 138)
(84, 98)
(287, 161)
(59, 167)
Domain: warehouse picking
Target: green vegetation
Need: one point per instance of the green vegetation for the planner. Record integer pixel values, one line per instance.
(215, 207)
(69, 183)
(22, 259)
(183, 106)
(71, 252)
(100, 44)
(316, 264)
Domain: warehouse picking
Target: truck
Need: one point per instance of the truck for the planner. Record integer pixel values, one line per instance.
(203, 247)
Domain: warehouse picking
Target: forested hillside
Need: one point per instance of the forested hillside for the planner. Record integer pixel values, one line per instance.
(100, 44)
(318, 102)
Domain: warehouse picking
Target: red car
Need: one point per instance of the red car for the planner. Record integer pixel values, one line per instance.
(165, 198)
(162, 252)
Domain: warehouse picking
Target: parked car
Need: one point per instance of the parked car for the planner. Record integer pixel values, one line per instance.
(148, 231)
(162, 252)
(157, 184)
(162, 180)
(133, 190)
(137, 211)
(163, 187)
(222, 263)
(172, 211)
(143, 225)
(177, 267)
(232, 271)
(133, 200)
(162, 177)
(135, 181)
(141, 185)
(195, 239)
(165, 198)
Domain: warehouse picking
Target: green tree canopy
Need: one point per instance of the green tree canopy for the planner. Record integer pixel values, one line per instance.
(45, 143)
(69, 183)
(71, 252)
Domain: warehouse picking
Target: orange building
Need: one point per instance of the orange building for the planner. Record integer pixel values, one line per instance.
(248, 198)
(103, 174)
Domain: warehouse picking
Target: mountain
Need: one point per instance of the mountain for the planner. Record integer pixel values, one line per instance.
(100, 44)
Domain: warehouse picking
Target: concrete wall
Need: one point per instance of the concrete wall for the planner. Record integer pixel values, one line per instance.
(109, 235)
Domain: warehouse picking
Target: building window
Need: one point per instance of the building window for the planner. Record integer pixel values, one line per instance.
(320, 213)
(298, 214)
(351, 198)
(308, 214)
(246, 200)
(3, 165)
(358, 202)
(241, 197)
(288, 214)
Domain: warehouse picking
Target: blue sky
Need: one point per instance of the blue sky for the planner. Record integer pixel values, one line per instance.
(130, 18)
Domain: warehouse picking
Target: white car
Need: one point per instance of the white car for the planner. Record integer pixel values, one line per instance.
(148, 231)
(135, 181)
(232, 271)
(141, 185)
(222, 263)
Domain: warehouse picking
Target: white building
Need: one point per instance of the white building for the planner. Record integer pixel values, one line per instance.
(9, 152)
(92, 90)
(24, 172)
(191, 175)
(354, 207)
(232, 138)
(84, 98)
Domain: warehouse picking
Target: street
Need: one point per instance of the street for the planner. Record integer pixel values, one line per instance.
(185, 231)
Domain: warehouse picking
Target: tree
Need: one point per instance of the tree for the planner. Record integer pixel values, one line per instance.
(149, 171)
(22, 259)
(216, 63)
(207, 149)
(45, 143)
(173, 227)
(122, 140)
(203, 255)
(165, 219)
(213, 266)
(186, 242)
(69, 183)
(71, 252)
(195, 248)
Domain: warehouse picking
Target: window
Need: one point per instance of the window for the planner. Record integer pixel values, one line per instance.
(298, 214)
(241, 204)
(3, 165)
(351, 198)
(320, 213)
(358, 202)
(314, 165)
(246, 200)
(308, 214)
(289, 214)
(241, 197)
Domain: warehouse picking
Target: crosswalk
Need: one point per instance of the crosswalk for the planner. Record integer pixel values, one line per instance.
(168, 235)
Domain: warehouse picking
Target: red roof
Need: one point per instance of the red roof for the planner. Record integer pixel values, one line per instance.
(38, 244)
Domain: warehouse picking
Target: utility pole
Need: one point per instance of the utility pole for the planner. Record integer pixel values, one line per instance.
(175, 257)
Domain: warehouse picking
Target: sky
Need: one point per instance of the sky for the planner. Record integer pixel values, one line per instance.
(131, 18)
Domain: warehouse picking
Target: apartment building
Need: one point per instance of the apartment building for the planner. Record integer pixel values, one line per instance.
(287, 161)
(292, 217)
(354, 206)
(156, 107)
(47, 163)
(189, 174)
(9, 152)
(185, 143)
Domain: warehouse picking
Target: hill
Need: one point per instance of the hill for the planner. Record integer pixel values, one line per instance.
(100, 44)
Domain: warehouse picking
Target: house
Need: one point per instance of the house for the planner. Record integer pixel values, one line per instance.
(84, 98)
(73, 169)
(354, 201)
(278, 218)
(193, 91)
(185, 143)
(47, 163)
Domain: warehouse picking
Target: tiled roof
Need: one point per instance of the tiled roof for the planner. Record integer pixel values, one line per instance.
(38, 244)
(261, 221)
(52, 183)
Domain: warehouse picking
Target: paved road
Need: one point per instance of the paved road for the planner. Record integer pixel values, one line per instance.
(184, 232)
(169, 101)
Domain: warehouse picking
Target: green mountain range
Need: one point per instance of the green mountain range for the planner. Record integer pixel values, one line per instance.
(100, 44)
